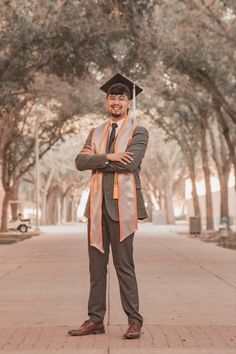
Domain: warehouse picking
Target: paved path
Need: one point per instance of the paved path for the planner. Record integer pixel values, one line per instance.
(187, 294)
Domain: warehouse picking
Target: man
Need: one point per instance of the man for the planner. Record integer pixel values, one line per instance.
(114, 152)
(21, 218)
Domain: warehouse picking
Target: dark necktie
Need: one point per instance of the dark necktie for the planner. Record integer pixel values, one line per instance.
(112, 135)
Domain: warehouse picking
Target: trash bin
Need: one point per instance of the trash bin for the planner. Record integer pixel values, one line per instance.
(224, 227)
(195, 225)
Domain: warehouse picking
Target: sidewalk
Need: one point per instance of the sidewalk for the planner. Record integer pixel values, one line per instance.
(187, 296)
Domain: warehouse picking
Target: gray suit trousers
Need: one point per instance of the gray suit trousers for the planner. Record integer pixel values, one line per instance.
(122, 253)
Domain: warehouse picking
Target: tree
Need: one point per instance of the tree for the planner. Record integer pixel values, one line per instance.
(184, 114)
(221, 156)
(64, 182)
(57, 49)
(68, 41)
(162, 169)
(18, 154)
(199, 43)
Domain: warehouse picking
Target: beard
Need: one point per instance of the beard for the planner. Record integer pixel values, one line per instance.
(116, 115)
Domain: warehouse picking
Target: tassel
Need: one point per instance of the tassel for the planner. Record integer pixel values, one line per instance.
(134, 101)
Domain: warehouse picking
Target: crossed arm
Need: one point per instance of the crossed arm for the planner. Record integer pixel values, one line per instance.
(128, 161)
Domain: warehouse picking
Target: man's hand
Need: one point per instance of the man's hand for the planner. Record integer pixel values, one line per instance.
(89, 150)
(123, 157)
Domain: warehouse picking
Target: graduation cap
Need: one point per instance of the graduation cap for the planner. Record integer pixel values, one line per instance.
(120, 81)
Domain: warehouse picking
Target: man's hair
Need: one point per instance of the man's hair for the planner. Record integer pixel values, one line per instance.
(119, 89)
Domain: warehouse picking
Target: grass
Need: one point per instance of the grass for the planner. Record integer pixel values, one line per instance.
(13, 237)
(228, 242)
(215, 236)
(7, 240)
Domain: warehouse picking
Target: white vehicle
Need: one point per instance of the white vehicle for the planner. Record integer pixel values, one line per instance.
(19, 225)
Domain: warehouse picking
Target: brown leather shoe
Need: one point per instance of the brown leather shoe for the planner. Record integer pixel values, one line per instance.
(88, 327)
(134, 331)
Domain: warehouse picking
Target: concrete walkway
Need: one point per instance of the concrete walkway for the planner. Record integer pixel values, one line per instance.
(187, 296)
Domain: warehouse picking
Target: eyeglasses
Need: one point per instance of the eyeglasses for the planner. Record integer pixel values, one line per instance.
(117, 98)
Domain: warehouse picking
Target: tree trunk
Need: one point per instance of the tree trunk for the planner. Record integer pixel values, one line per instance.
(69, 210)
(207, 177)
(5, 210)
(196, 205)
(59, 208)
(63, 208)
(7, 190)
(44, 206)
(223, 164)
(168, 184)
(226, 132)
(14, 196)
(149, 207)
(44, 195)
(153, 200)
(51, 206)
(73, 209)
(160, 198)
(224, 196)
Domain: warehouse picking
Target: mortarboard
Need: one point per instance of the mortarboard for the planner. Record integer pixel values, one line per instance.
(119, 79)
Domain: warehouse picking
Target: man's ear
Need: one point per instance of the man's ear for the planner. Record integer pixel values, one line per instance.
(106, 106)
(107, 113)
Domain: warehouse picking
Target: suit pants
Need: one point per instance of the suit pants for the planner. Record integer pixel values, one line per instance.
(122, 253)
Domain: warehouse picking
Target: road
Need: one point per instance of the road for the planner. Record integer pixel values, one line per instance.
(187, 295)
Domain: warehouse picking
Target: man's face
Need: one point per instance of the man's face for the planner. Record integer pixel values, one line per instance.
(117, 105)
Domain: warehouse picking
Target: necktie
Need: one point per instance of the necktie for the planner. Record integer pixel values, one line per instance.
(112, 135)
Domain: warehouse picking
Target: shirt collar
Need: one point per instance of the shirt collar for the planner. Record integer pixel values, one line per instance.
(118, 123)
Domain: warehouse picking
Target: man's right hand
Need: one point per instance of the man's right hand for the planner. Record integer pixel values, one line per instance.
(123, 157)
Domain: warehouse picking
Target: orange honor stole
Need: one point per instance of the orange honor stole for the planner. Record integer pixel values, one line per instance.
(124, 186)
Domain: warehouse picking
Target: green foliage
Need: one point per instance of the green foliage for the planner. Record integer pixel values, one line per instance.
(182, 52)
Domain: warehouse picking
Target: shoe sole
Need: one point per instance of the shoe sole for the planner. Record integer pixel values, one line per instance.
(96, 331)
(131, 337)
